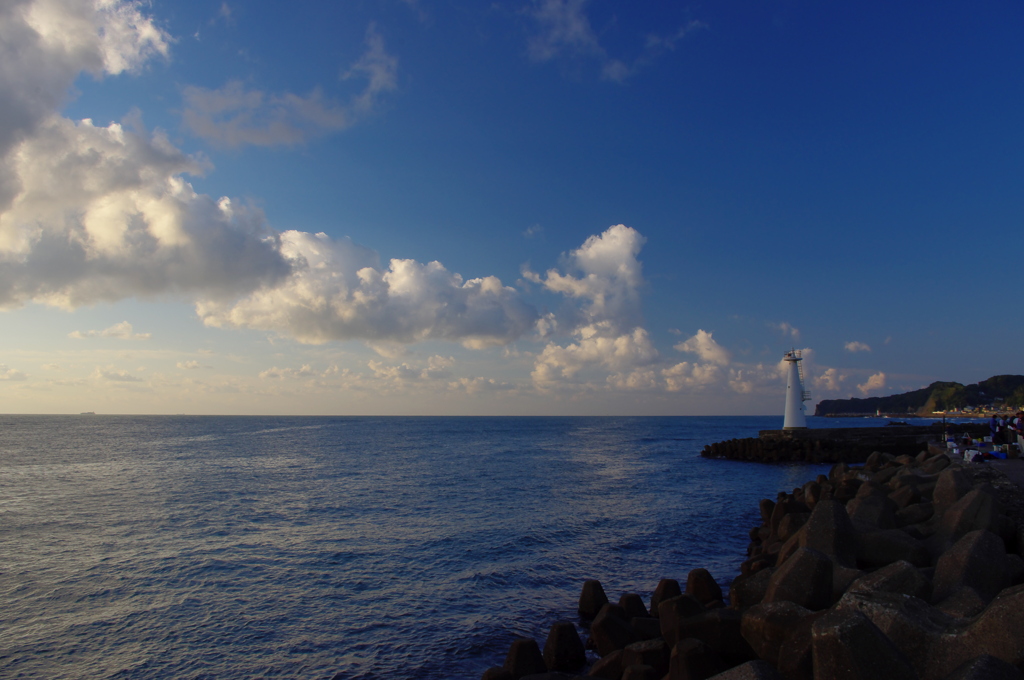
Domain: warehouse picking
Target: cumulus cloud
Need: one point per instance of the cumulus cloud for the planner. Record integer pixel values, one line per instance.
(234, 116)
(338, 291)
(121, 331)
(45, 44)
(687, 375)
(103, 214)
(704, 346)
(190, 365)
(752, 378)
(830, 380)
(610, 279)
(11, 373)
(875, 382)
(595, 347)
(855, 346)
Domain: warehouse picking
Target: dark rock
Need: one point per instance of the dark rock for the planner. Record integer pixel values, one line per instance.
(914, 514)
(951, 486)
(666, 590)
(846, 490)
(592, 598)
(838, 471)
(806, 579)
(842, 577)
(977, 560)
(653, 653)
(874, 461)
(691, 659)
(747, 591)
(795, 654)
(645, 627)
(829, 531)
(996, 631)
(935, 464)
(985, 667)
(965, 603)
(976, 510)
(608, 667)
(496, 673)
(879, 548)
(884, 475)
(671, 614)
(872, 512)
(701, 586)
(550, 675)
(640, 672)
(899, 577)
(766, 626)
(911, 624)
(609, 632)
(720, 630)
(1015, 569)
(751, 670)
(791, 523)
(563, 650)
(812, 494)
(613, 610)
(633, 605)
(905, 496)
(847, 646)
(524, 658)
(766, 507)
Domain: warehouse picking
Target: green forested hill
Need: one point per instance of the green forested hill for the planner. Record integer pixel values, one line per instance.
(1006, 390)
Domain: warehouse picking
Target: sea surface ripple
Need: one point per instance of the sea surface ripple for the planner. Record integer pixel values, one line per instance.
(355, 548)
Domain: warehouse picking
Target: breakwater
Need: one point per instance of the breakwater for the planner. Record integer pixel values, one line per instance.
(833, 445)
(904, 567)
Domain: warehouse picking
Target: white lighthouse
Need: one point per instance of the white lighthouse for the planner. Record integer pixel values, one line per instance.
(795, 393)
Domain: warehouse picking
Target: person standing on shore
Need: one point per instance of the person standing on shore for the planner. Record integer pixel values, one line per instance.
(996, 429)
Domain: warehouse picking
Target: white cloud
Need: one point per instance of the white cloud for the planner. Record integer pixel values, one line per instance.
(687, 375)
(611, 278)
(831, 380)
(115, 375)
(786, 330)
(479, 384)
(753, 378)
(103, 214)
(564, 31)
(855, 346)
(704, 346)
(189, 365)
(121, 331)
(596, 347)
(44, 45)
(338, 291)
(234, 116)
(11, 374)
(564, 27)
(275, 373)
(875, 382)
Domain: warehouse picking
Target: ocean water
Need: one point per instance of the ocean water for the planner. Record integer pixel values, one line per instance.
(293, 547)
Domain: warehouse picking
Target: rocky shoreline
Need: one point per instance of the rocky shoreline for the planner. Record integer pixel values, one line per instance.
(908, 567)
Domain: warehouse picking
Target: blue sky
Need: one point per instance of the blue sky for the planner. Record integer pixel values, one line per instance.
(547, 206)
